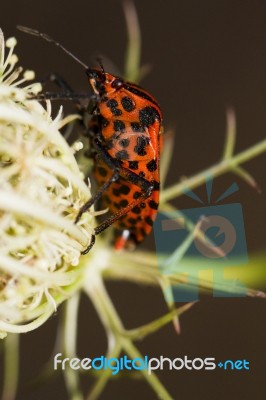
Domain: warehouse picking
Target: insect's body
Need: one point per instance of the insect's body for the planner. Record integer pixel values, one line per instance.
(126, 136)
(127, 124)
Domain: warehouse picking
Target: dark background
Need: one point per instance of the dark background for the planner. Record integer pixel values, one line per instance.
(205, 56)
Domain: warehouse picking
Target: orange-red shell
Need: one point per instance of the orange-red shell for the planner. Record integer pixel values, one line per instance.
(129, 124)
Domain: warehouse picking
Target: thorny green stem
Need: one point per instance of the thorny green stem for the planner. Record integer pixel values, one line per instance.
(222, 167)
(145, 330)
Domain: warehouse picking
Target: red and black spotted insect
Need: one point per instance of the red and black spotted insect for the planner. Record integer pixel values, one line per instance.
(125, 134)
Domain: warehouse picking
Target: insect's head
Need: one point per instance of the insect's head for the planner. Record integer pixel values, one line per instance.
(102, 82)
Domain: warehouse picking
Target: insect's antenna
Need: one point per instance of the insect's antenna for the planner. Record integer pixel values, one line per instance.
(44, 36)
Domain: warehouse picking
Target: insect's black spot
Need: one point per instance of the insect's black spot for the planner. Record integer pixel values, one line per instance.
(156, 185)
(124, 189)
(116, 192)
(109, 144)
(124, 142)
(153, 205)
(137, 195)
(128, 104)
(148, 115)
(142, 142)
(119, 126)
(113, 104)
(123, 203)
(149, 221)
(133, 165)
(103, 122)
(102, 171)
(142, 205)
(122, 155)
(152, 165)
(116, 205)
(137, 127)
(132, 221)
(136, 210)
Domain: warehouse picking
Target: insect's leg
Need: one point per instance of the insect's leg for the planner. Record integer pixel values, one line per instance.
(97, 195)
(66, 94)
(113, 218)
(90, 245)
(123, 211)
(119, 214)
(123, 172)
(93, 103)
(75, 97)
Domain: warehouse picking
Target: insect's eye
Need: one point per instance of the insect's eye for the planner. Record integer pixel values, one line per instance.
(117, 83)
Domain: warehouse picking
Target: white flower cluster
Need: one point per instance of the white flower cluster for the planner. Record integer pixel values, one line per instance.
(41, 191)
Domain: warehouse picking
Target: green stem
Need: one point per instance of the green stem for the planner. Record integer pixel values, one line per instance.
(132, 61)
(70, 339)
(72, 384)
(250, 153)
(71, 324)
(11, 366)
(105, 375)
(117, 342)
(151, 378)
(142, 331)
(214, 171)
(230, 134)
